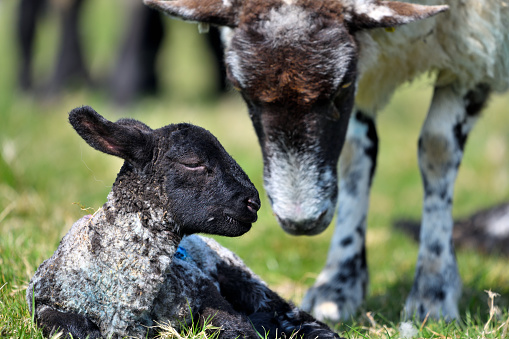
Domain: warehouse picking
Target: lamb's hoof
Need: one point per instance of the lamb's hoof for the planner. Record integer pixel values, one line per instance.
(322, 335)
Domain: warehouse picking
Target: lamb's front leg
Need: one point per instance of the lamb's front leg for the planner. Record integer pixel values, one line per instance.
(248, 295)
(269, 314)
(437, 284)
(218, 312)
(341, 286)
(69, 324)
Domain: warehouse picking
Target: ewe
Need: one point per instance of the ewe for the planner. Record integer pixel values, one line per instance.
(314, 74)
(121, 271)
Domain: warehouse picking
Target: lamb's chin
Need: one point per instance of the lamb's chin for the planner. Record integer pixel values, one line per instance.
(235, 226)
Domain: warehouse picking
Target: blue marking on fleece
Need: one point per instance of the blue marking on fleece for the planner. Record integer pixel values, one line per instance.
(182, 254)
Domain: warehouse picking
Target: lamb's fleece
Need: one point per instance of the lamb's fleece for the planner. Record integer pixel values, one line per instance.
(72, 283)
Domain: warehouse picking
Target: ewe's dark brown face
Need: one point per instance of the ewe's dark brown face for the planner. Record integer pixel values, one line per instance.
(289, 55)
(296, 72)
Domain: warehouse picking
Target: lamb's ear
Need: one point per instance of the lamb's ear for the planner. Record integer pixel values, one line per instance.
(128, 139)
(217, 12)
(373, 14)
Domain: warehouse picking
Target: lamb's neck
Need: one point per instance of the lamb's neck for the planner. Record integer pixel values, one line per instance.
(125, 255)
(122, 236)
(137, 209)
(144, 195)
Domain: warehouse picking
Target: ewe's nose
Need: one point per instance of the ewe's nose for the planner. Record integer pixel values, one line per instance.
(310, 226)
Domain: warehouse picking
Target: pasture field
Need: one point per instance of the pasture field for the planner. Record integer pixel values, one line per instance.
(49, 178)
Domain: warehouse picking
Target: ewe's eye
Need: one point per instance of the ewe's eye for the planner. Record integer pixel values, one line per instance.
(234, 82)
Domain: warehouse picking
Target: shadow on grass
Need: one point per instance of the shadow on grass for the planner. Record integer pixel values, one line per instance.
(386, 308)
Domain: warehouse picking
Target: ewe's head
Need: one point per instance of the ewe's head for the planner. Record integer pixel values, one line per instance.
(195, 180)
(295, 64)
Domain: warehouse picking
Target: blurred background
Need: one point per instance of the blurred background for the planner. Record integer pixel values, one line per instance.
(49, 177)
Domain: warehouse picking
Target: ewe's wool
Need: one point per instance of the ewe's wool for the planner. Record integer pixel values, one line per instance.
(469, 44)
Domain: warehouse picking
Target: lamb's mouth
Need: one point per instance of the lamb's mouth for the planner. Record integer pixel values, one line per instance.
(239, 221)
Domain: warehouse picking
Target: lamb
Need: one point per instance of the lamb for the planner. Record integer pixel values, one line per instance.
(136, 263)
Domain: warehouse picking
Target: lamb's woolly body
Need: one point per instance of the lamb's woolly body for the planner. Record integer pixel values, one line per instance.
(469, 44)
(208, 255)
(133, 265)
(112, 273)
(126, 292)
(134, 279)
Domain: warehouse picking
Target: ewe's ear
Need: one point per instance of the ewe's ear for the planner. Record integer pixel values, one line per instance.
(373, 14)
(128, 139)
(217, 12)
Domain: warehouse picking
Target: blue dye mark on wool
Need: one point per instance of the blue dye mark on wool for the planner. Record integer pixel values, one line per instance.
(182, 254)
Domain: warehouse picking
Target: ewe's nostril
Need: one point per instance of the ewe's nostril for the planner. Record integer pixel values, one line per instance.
(321, 217)
(253, 205)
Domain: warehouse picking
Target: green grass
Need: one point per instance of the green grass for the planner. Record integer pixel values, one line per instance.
(47, 172)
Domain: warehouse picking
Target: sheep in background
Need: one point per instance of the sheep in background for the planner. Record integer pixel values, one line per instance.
(314, 74)
(70, 62)
(133, 73)
(486, 231)
(135, 264)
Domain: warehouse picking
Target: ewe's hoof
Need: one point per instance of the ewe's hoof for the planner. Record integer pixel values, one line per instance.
(432, 297)
(338, 291)
(329, 304)
(432, 308)
(327, 310)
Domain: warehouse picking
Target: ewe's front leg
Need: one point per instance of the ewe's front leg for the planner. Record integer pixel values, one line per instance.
(437, 284)
(341, 286)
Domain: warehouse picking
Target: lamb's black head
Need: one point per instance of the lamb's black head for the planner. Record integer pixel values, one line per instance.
(202, 188)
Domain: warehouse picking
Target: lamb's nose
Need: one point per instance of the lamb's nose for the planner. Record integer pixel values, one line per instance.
(253, 205)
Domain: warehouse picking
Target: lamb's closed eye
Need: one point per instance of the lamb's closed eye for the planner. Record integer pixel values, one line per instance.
(193, 164)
